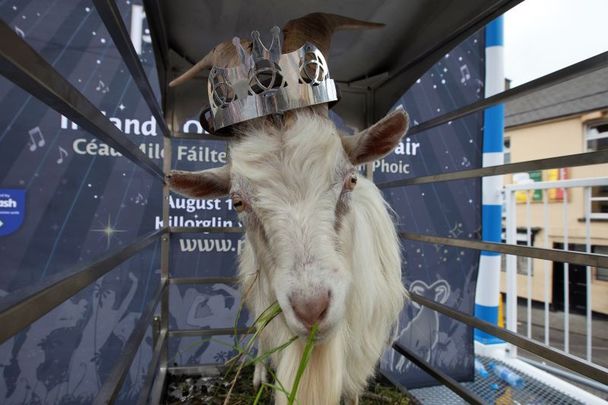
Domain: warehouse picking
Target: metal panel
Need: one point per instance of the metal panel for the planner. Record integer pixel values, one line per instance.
(112, 19)
(210, 332)
(144, 393)
(563, 359)
(25, 67)
(200, 137)
(579, 159)
(204, 280)
(111, 388)
(28, 308)
(195, 229)
(159, 386)
(585, 259)
(562, 75)
(439, 375)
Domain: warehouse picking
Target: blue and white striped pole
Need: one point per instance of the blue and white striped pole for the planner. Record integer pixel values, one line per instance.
(488, 280)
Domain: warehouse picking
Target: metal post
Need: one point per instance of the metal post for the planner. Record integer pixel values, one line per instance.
(488, 280)
(511, 230)
(589, 318)
(155, 329)
(546, 262)
(529, 265)
(566, 277)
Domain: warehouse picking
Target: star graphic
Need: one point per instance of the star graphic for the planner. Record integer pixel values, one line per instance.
(122, 107)
(109, 231)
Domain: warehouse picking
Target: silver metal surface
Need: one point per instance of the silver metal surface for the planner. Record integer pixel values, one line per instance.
(26, 309)
(210, 332)
(563, 359)
(567, 375)
(566, 275)
(588, 289)
(204, 280)
(585, 259)
(144, 393)
(578, 159)
(439, 375)
(165, 275)
(113, 383)
(200, 137)
(158, 388)
(26, 68)
(195, 229)
(200, 369)
(110, 15)
(241, 93)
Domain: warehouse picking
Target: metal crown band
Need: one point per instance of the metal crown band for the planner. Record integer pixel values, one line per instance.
(267, 82)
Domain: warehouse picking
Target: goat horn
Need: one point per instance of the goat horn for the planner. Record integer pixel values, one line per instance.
(223, 55)
(318, 29)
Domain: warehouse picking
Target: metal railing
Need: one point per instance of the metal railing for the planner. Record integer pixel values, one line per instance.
(26, 68)
(512, 224)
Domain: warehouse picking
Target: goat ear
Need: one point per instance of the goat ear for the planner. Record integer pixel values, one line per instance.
(378, 140)
(210, 183)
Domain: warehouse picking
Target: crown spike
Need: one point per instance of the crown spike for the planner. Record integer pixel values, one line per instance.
(275, 45)
(257, 50)
(244, 56)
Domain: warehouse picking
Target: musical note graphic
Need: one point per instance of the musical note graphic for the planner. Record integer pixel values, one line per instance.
(36, 143)
(62, 153)
(101, 86)
(19, 32)
(465, 72)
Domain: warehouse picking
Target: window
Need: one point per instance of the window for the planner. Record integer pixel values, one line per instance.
(596, 138)
(602, 272)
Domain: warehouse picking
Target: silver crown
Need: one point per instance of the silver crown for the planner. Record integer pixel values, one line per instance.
(268, 82)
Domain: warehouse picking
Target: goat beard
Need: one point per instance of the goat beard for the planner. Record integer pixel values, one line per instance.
(321, 382)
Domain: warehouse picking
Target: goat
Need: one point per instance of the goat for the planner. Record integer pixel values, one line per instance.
(319, 239)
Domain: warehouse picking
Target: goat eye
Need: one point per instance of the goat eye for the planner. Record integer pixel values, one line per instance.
(238, 204)
(351, 181)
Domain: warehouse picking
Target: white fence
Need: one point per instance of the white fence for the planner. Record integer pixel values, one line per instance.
(512, 225)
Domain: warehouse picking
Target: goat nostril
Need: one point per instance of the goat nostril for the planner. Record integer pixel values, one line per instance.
(310, 310)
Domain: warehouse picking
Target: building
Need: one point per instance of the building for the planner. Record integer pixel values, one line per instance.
(569, 118)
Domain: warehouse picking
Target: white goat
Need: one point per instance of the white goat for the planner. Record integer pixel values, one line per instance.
(319, 240)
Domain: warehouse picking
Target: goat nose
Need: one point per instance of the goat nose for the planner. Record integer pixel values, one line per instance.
(310, 310)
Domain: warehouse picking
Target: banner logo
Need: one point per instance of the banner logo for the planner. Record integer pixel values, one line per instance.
(12, 210)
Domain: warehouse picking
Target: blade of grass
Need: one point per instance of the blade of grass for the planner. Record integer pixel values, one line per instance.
(310, 342)
(267, 354)
(259, 394)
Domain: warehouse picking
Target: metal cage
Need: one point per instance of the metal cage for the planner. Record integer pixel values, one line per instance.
(367, 96)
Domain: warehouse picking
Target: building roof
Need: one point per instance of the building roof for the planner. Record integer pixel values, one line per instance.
(583, 94)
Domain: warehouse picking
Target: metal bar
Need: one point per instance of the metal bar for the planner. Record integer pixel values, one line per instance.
(544, 185)
(200, 137)
(511, 230)
(528, 268)
(26, 68)
(158, 389)
(585, 259)
(26, 309)
(200, 369)
(204, 280)
(160, 45)
(144, 393)
(565, 374)
(111, 387)
(210, 332)
(202, 229)
(573, 71)
(165, 259)
(578, 159)
(563, 359)
(566, 277)
(589, 319)
(464, 393)
(110, 15)
(546, 263)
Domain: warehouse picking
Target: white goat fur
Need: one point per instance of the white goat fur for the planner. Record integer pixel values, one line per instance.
(292, 179)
